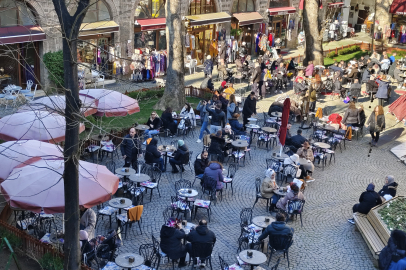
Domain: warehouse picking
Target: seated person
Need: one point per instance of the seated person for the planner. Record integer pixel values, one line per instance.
(180, 157)
(85, 246)
(172, 236)
(152, 155)
(389, 188)
(355, 90)
(201, 234)
(297, 140)
(87, 221)
(268, 187)
(229, 91)
(293, 194)
(217, 145)
(154, 124)
(168, 121)
(187, 111)
(368, 200)
(201, 163)
(215, 171)
(288, 135)
(228, 131)
(307, 153)
(294, 160)
(236, 126)
(365, 76)
(393, 256)
(277, 227)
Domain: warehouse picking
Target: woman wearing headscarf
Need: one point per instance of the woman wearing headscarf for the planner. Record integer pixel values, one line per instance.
(293, 160)
(368, 200)
(171, 241)
(268, 187)
(389, 188)
(393, 256)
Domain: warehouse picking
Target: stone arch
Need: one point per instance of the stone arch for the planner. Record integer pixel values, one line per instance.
(112, 8)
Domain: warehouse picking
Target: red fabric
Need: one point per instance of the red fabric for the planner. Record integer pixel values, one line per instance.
(270, 38)
(398, 7)
(301, 4)
(285, 117)
(398, 108)
(223, 83)
(335, 118)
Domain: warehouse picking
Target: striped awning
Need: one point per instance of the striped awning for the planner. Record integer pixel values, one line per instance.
(95, 28)
(281, 11)
(248, 18)
(151, 24)
(210, 18)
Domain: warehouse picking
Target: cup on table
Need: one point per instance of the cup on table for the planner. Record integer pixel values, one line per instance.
(122, 201)
(274, 154)
(189, 191)
(131, 259)
(127, 169)
(184, 223)
(266, 220)
(249, 254)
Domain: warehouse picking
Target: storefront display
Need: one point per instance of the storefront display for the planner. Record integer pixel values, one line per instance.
(245, 24)
(147, 64)
(280, 25)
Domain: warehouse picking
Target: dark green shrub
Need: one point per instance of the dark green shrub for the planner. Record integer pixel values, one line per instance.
(14, 240)
(54, 64)
(91, 121)
(50, 262)
(331, 54)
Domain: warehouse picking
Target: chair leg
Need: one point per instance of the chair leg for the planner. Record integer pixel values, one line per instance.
(110, 220)
(150, 196)
(255, 202)
(195, 211)
(270, 256)
(287, 256)
(301, 222)
(139, 225)
(208, 213)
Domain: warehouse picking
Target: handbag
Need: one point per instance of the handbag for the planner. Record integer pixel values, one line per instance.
(298, 173)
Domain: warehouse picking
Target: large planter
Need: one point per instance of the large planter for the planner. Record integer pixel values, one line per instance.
(376, 220)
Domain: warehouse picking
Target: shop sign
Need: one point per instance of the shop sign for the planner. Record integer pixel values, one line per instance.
(282, 13)
(400, 13)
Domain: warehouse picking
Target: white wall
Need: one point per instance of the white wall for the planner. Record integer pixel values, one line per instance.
(354, 19)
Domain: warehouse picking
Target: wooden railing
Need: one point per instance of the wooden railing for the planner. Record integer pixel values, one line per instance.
(31, 246)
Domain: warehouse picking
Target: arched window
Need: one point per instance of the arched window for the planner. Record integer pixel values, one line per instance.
(150, 9)
(14, 13)
(201, 7)
(243, 6)
(97, 11)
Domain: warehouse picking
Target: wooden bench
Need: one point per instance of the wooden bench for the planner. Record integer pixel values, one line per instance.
(369, 234)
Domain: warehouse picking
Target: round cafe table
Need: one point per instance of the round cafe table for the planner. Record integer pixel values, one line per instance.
(280, 193)
(260, 221)
(142, 127)
(139, 178)
(256, 259)
(322, 145)
(184, 192)
(122, 260)
(117, 204)
(269, 129)
(165, 151)
(239, 143)
(123, 173)
(252, 126)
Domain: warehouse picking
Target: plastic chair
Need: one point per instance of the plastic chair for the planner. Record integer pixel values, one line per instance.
(30, 96)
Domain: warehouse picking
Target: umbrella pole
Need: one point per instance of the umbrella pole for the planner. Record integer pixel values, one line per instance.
(63, 222)
(280, 151)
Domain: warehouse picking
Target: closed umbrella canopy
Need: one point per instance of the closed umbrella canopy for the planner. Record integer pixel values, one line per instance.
(112, 103)
(40, 186)
(14, 153)
(58, 103)
(34, 125)
(285, 118)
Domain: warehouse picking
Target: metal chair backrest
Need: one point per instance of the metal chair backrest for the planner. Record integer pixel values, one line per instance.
(295, 206)
(209, 183)
(257, 185)
(138, 199)
(29, 85)
(150, 257)
(270, 163)
(280, 242)
(246, 216)
(111, 166)
(182, 184)
(156, 174)
(167, 213)
(223, 264)
(290, 170)
(232, 169)
(147, 169)
(202, 250)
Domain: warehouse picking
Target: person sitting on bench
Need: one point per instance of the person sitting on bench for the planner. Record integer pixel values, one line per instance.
(368, 200)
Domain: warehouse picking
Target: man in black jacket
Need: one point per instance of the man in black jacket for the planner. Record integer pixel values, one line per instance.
(297, 140)
(152, 155)
(201, 163)
(218, 117)
(277, 228)
(180, 157)
(250, 108)
(130, 148)
(200, 234)
(368, 200)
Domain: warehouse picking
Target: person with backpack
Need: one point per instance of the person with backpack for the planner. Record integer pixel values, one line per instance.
(393, 256)
(180, 157)
(218, 117)
(204, 118)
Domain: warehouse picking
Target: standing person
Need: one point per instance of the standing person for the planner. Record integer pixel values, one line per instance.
(218, 118)
(152, 155)
(250, 108)
(168, 121)
(385, 63)
(231, 107)
(368, 200)
(130, 148)
(187, 111)
(180, 157)
(309, 69)
(224, 102)
(383, 87)
(208, 66)
(256, 78)
(351, 116)
(204, 118)
(217, 145)
(312, 97)
(154, 124)
(280, 73)
(172, 235)
(229, 91)
(376, 123)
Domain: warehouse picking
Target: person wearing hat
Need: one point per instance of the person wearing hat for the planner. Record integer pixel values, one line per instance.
(171, 244)
(389, 188)
(236, 126)
(368, 200)
(180, 157)
(208, 66)
(268, 187)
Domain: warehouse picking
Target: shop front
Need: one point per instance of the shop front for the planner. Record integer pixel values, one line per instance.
(96, 48)
(150, 33)
(244, 25)
(19, 55)
(280, 24)
(201, 34)
(398, 26)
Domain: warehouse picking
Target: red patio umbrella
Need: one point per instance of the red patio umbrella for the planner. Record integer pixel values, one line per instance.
(285, 118)
(398, 108)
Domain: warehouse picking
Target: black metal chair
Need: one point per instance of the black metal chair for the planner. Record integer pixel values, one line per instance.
(289, 170)
(202, 251)
(111, 166)
(159, 253)
(209, 185)
(280, 243)
(223, 264)
(182, 183)
(295, 207)
(232, 169)
(147, 251)
(180, 206)
(155, 174)
(245, 220)
(258, 194)
(275, 267)
(167, 213)
(126, 221)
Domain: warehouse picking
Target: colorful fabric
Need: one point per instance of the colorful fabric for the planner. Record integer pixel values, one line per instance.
(108, 210)
(149, 184)
(202, 203)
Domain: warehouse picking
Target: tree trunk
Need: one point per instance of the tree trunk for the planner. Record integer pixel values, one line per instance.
(70, 31)
(312, 27)
(174, 95)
